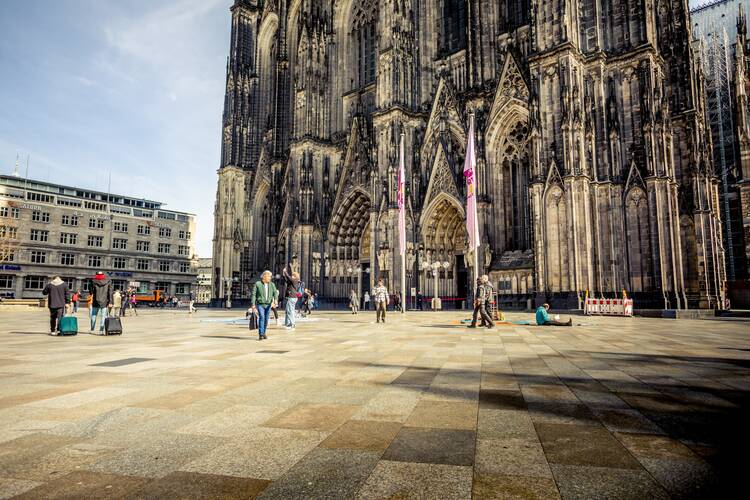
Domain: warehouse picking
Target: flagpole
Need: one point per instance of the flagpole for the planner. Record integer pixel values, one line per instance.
(402, 187)
(474, 206)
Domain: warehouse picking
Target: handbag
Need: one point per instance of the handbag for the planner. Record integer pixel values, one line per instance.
(253, 321)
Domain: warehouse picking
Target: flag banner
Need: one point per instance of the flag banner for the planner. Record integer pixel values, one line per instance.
(401, 200)
(470, 164)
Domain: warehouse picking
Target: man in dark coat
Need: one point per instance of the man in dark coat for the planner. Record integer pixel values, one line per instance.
(102, 299)
(58, 296)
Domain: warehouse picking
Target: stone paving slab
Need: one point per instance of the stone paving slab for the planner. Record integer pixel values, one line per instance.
(418, 408)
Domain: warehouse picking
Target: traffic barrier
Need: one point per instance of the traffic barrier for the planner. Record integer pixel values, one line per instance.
(608, 307)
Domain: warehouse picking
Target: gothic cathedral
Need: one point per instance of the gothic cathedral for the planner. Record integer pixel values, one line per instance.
(594, 159)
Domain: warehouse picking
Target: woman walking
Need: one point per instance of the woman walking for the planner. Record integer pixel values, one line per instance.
(292, 285)
(262, 299)
(354, 302)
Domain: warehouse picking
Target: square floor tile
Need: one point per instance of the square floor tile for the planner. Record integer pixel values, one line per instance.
(313, 417)
(404, 480)
(511, 457)
(436, 446)
(500, 487)
(583, 445)
(86, 484)
(496, 399)
(191, 485)
(363, 435)
(583, 483)
(444, 415)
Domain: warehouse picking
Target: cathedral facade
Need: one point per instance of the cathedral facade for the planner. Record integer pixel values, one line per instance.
(594, 164)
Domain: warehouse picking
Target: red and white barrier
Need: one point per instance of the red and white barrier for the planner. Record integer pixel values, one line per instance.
(609, 307)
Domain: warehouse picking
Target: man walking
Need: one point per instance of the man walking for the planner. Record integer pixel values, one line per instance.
(58, 298)
(380, 296)
(292, 285)
(263, 298)
(483, 296)
(353, 301)
(116, 303)
(101, 293)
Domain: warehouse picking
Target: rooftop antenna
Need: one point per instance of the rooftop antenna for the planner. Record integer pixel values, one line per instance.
(15, 171)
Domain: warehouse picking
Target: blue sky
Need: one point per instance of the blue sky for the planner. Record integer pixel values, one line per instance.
(131, 87)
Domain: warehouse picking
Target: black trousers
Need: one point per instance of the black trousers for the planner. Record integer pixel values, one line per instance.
(481, 310)
(55, 315)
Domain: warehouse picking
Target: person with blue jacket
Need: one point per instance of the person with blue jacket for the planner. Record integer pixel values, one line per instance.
(543, 319)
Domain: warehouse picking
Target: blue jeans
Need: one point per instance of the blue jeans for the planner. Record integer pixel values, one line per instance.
(94, 314)
(264, 311)
(289, 320)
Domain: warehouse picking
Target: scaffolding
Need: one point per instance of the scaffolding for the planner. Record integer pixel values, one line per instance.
(716, 68)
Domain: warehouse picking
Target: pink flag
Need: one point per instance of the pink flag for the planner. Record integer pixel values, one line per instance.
(401, 201)
(470, 164)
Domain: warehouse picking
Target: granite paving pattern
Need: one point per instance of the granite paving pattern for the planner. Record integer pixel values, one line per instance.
(417, 408)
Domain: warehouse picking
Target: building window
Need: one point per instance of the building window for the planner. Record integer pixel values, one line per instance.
(143, 265)
(142, 246)
(6, 280)
(184, 235)
(365, 32)
(44, 198)
(7, 255)
(34, 282)
(70, 220)
(9, 232)
(164, 266)
(4, 211)
(68, 238)
(144, 230)
(119, 285)
(95, 261)
(165, 232)
(183, 250)
(163, 286)
(182, 288)
(91, 205)
(452, 24)
(39, 216)
(96, 223)
(39, 235)
(38, 257)
(68, 203)
(184, 267)
(67, 259)
(164, 248)
(120, 244)
(96, 241)
(120, 227)
(118, 262)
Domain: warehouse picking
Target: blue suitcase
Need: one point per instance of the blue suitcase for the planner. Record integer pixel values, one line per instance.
(69, 325)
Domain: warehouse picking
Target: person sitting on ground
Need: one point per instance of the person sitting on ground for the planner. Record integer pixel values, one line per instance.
(543, 319)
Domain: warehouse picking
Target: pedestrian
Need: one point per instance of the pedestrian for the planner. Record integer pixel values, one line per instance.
(366, 300)
(543, 319)
(397, 301)
(292, 286)
(481, 299)
(116, 303)
(58, 296)
(262, 299)
(101, 301)
(306, 298)
(380, 296)
(419, 301)
(134, 303)
(125, 301)
(191, 306)
(175, 302)
(76, 298)
(353, 302)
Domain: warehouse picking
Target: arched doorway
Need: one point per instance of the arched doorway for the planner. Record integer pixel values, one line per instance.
(444, 243)
(346, 236)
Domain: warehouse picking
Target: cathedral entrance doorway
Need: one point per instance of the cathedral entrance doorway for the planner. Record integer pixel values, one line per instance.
(443, 245)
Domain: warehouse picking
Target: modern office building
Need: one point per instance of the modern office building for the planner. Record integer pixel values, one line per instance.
(203, 294)
(49, 229)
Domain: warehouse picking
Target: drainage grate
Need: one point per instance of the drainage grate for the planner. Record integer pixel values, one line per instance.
(123, 362)
(272, 352)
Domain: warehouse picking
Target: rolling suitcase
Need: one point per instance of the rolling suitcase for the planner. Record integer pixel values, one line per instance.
(68, 325)
(112, 326)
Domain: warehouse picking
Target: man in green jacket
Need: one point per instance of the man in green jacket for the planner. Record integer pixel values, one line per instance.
(263, 297)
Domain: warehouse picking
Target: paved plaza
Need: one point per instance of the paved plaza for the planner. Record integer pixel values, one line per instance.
(420, 407)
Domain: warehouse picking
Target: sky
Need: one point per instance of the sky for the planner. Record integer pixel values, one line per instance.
(131, 88)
